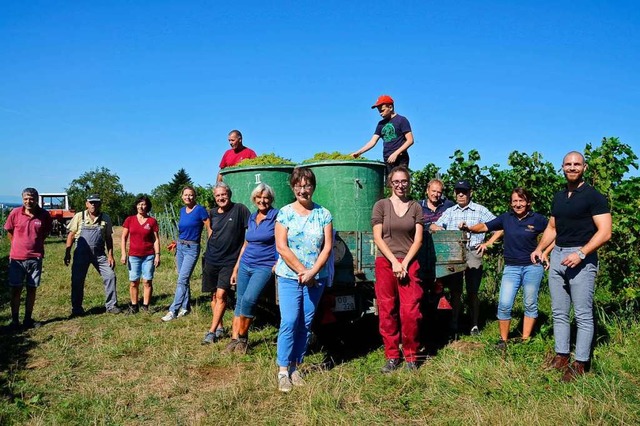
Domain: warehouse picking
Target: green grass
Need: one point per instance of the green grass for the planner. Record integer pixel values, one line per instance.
(125, 370)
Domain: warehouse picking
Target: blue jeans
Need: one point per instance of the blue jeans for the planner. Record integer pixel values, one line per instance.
(298, 305)
(186, 257)
(251, 282)
(513, 277)
(567, 286)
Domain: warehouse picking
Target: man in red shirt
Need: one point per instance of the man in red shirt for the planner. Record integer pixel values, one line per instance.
(27, 227)
(237, 153)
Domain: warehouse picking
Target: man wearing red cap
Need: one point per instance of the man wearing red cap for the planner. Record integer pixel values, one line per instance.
(395, 132)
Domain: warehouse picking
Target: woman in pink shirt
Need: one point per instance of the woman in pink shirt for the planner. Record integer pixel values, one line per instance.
(144, 252)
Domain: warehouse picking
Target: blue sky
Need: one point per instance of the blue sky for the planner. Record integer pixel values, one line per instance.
(146, 88)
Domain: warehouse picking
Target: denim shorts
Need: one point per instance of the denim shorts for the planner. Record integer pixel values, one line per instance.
(141, 266)
(25, 270)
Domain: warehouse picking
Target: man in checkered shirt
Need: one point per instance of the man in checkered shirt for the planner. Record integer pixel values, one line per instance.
(469, 213)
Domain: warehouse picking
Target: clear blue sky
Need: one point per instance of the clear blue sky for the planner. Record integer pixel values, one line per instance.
(146, 88)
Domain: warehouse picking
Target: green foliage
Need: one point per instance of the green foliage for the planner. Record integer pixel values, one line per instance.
(619, 262)
(420, 179)
(104, 183)
(608, 163)
(269, 159)
(331, 156)
(167, 195)
(205, 196)
(527, 171)
(180, 179)
(466, 169)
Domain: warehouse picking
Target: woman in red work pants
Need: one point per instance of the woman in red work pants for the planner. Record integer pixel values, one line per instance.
(397, 231)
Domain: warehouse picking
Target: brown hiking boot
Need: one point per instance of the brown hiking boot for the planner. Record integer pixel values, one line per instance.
(559, 362)
(573, 371)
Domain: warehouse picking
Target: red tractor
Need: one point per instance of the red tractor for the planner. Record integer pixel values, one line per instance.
(57, 204)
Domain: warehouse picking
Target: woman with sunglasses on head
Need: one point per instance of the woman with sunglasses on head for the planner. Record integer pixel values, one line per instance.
(397, 232)
(304, 238)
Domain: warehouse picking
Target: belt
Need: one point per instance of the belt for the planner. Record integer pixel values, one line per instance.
(187, 242)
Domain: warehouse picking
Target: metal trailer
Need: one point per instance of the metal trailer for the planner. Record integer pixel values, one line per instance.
(349, 189)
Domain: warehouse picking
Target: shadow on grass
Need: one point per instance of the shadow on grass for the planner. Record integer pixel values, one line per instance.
(342, 342)
(5, 294)
(14, 356)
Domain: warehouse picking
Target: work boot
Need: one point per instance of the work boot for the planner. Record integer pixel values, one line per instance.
(559, 362)
(573, 371)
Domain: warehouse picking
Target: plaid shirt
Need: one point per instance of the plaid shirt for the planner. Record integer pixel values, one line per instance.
(471, 214)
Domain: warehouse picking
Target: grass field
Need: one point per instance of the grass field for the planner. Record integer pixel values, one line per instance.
(133, 369)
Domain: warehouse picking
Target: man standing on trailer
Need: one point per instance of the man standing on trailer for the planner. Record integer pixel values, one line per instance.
(27, 227)
(237, 153)
(395, 131)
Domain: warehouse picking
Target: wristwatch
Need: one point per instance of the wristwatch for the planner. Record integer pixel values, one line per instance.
(581, 254)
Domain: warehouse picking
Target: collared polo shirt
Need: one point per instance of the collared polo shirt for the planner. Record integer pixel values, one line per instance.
(471, 214)
(430, 216)
(520, 235)
(574, 215)
(29, 233)
(260, 251)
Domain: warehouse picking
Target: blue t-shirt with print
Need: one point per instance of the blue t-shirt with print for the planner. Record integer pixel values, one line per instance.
(305, 237)
(392, 131)
(260, 251)
(191, 224)
(520, 235)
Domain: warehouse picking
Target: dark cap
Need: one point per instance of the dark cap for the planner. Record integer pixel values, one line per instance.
(94, 198)
(462, 184)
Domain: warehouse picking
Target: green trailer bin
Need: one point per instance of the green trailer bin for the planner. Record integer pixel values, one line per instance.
(243, 180)
(349, 189)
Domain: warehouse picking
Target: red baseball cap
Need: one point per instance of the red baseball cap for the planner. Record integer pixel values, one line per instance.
(383, 100)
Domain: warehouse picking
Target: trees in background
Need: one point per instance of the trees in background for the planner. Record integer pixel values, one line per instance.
(608, 163)
(116, 202)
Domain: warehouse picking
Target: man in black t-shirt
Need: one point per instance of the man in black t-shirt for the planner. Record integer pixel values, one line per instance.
(580, 224)
(229, 222)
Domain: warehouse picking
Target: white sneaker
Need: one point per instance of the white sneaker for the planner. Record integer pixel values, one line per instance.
(284, 383)
(168, 317)
(182, 312)
(296, 379)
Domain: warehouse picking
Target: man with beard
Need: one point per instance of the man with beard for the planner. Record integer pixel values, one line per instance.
(580, 224)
